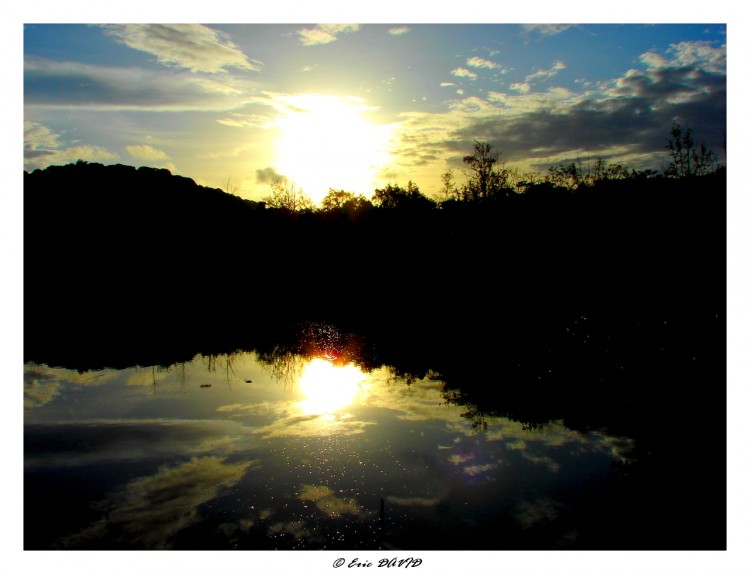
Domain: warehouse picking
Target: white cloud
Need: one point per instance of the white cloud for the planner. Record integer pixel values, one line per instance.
(399, 31)
(477, 62)
(43, 147)
(546, 29)
(702, 54)
(325, 33)
(464, 73)
(39, 138)
(191, 46)
(520, 87)
(653, 60)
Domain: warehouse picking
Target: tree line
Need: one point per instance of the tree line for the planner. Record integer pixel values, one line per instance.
(488, 179)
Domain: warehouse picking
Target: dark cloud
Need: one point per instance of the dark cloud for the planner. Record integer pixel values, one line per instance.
(70, 84)
(632, 118)
(37, 153)
(267, 175)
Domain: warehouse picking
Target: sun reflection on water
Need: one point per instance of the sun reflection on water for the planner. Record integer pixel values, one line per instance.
(327, 388)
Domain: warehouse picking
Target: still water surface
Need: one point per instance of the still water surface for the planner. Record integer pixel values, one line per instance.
(236, 452)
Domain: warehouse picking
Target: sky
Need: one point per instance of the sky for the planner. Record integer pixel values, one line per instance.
(357, 106)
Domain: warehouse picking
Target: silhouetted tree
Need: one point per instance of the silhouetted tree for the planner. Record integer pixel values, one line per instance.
(484, 179)
(231, 187)
(603, 171)
(686, 157)
(394, 196)
(336, 199)
(340, 201)
(449, 189)
(286, 195)
(567, 176)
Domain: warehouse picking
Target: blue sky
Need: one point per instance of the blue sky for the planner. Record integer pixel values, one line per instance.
(355, 106)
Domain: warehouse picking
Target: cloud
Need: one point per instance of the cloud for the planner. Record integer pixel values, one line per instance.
(477, 469)
(464, 73)
(327, 502)
(290, 425)
(458, 459)
(150, 510)
(39, 138)
(399, 31)
(325, 33)
(38, 393)
(297, 529)
(413, 501)
(59, 84)
(145, 152)
(543, 460)
(190, 46)
(246, 121)
(545, 74)
(477, 62)
(546, 29)
(43, 147)
(107, 441)
(268, 175)
(542, 511)
(624, 119)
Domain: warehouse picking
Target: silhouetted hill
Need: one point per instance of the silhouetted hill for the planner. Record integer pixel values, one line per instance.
(604, 307)
(115, 253)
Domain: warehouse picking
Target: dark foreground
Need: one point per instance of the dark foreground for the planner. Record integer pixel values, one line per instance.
(603, 312)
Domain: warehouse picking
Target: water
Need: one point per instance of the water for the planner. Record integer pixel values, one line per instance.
(295, 451)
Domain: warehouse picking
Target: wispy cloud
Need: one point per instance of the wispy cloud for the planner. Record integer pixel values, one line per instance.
(545, 74)
(546, 29)
(148, 511)
(194, 47)
(325, 33)
(543, 510)
(413, 501)
(399, 31)
(145, 152)
(64, 84)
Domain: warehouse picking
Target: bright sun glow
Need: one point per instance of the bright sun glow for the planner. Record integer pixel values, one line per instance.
(326, 142)
(327, 388)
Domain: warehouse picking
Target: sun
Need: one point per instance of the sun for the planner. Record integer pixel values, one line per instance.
(327, 142)
(327, 387)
